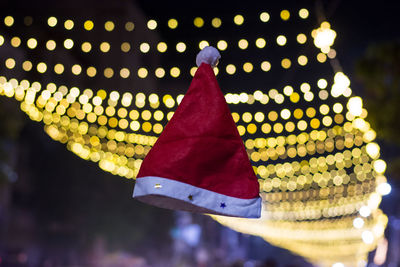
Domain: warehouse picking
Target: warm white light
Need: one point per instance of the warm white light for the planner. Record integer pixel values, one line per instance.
(380, 166)
(358, 223)
(372, 150)
(355, 106)
(341, 79)
(340, 85)
(324, 37)
(367, 237)
(322, 83)
(384, 189)
(365, 211)
(338, 264)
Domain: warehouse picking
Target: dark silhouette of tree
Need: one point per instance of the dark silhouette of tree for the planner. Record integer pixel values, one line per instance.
(379, 72)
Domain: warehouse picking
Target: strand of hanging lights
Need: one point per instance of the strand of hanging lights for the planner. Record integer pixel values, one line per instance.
(311, 146)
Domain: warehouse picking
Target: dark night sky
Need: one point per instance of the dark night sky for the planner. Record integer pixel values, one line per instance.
(357, 23)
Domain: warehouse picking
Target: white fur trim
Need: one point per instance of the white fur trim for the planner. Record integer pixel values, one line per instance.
(171, 194)
(208, 55)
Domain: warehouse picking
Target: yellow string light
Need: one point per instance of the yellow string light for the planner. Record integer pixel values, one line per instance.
(331, 168)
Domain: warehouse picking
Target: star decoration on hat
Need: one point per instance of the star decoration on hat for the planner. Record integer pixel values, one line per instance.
(223, 205)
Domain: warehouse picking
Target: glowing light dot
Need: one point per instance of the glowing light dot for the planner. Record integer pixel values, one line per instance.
(109, 26)
(41, 67)
(288, 90)
(273, 93)
(108, 72)
(384, 189)
(332, 53)
(32, 43)
(27, 65)
(238, 19)
(281, 40)
(365, 211)
(367, 237)
(86, 47)
(265, 66)
(321, 57)
(68, 43)
(144, 47)
(129, 26)
(125, 47)
(15, 42)
(10, 63)
(264, 17)
(285, 114)
(305, 87)
(354, 106)
(52, 21)
(175, 72)
(337, 107)
(302, 60)
(152, 24)
(285, 14)
(124, 73)
(88, 25)
(247, 67)
(230, 69)
(172, 23)
(68, 24)
(322, 83)
(76, 69)
(260, 42)
(324, 37)
(198, 22)
(358, 223)
(203, 44)
(303, 13)
(135, 125)
(216, 22)
(59, 68)
(51, 45)
(222, 45)
(9, 21)
(380, 166)
(91, 71)
(160, 72)
(243, 44)
(162, 47)
(247, 117)
(105, 47)
(301, 38)
(372, 150)
(286, 63)
(259, 116)
(180, 47)
(142, 72)
(338, 264)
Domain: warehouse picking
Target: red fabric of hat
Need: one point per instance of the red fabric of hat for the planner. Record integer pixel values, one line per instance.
(199, 162)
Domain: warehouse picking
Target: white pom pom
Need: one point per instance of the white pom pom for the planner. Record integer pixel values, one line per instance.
(208, 55)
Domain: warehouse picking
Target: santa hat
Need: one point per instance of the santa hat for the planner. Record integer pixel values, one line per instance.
(199, 162)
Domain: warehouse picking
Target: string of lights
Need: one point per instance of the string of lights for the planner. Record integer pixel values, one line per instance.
(319, 170)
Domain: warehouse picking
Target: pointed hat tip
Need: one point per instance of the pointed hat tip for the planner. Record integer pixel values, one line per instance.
(209, 55)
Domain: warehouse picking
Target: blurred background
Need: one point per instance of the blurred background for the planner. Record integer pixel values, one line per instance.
(58, 209)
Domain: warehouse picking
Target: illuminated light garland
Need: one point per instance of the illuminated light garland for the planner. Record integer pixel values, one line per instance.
(325, 194)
